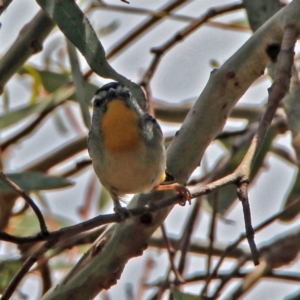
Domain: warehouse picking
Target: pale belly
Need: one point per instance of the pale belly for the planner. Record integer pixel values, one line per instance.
(129, 173)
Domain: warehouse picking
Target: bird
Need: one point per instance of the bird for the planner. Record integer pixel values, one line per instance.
(125, 144)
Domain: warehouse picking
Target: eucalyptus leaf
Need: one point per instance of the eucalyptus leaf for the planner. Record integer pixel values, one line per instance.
(35, 181)
(79, 84)
(53, 81)
(291, 197)
(20, 114)
(226, 196)
(24, 225)
(8, 269)
(78, 29)
(104, 199)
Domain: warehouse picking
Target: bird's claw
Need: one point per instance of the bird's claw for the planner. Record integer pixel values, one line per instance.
(184, 193)
(179, 190)
(122, 212)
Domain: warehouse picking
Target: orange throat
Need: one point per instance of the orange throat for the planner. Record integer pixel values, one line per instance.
(120, 127)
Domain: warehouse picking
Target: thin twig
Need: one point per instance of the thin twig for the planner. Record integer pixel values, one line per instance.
(64, 233)
(186, 237)
(45, 272)
(127, 40)
(233, 245)
(171, 253)
(86, 207)
(77, 240)
(58, 155)
(242, 260)
(242, 192)
(79, 166)
(229, 134)
(249, 281)
(212, 232)
(26, 267)
(149, 264)
(138, 10)
(277, 92)
(177, 17)
(30, 202)
(211, 237)
(162, 287)
(277, 275)
(182, 34)
(29, 128)
(67, 232)
(150, 106)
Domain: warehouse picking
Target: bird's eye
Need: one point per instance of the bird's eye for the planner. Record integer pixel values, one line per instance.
(98, 102)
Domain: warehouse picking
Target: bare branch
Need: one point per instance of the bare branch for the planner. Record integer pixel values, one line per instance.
(171, 253)
(127, 40)
(242, 192)
(233, 245)
(185, 240)
(3, 5)
(278, 90)
(181, 35)
(30, 202)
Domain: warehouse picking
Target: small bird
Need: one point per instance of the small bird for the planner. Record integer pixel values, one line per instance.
(125, 144)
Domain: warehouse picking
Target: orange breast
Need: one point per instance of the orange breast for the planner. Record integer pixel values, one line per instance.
(120, 127)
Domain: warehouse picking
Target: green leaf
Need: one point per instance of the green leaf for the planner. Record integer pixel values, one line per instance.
(178, 295)
(5, 98)
(227, 195)
(77, 28)
(24, 224)
(53, 81)
(20, 114)
(27, 224)
(79, 84)
(104, 199)
(8, 269)
(292, 196)
(110, 28)
(35, 181)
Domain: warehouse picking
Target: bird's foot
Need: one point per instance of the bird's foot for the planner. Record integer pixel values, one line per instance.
(178, 189)
(184, 192)
(121, 211)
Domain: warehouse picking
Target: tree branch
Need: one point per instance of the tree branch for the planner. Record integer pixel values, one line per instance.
(3, 5)
(18, 190)
(29, 42)
(181, 35)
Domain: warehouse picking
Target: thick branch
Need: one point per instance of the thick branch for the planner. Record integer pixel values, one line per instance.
(29, 42)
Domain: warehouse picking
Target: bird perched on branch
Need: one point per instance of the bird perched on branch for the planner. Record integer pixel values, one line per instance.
(125, 144)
